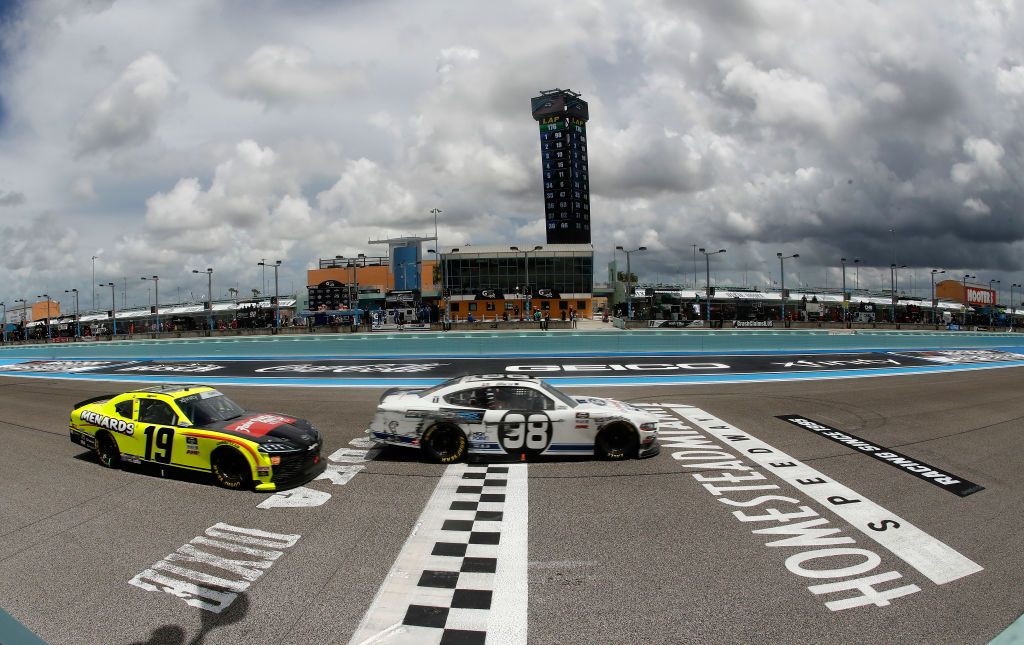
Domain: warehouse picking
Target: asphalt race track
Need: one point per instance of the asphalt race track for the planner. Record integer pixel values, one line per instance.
(690, 546)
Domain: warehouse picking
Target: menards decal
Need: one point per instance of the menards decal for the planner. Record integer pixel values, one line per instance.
(117, 425)
(847, 574)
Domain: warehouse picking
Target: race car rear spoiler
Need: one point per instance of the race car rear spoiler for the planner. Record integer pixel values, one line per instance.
(95, 399)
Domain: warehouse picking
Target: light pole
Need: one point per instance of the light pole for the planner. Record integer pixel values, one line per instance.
(629, 278)
(24, 317)
(94, 282)
(1012, 310)
(437, 243)
(113, 306)
(892, 288)
(526, 269)
(49, 336)
(264, 265)
(896, 288)
(707, 279)
(78, 324)
(934, 271)
(972, 277)
(782, 280)
(444, 280)
(694, 266)
(991, 309)
(846, 301)
(277, 299)
(156, 299)
(209, 296)
(856, 263)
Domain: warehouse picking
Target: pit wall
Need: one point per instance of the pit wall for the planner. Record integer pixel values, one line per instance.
(486, 343)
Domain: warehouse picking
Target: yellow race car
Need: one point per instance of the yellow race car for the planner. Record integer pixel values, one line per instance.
(197, 428)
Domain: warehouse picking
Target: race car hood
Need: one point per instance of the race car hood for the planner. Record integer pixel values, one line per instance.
(268, 427)
(610, 407)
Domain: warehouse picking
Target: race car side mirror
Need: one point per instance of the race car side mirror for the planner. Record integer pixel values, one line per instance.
(184, 424)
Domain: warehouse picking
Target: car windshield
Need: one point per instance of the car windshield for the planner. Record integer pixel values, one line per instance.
(561, 396)
(209, 407)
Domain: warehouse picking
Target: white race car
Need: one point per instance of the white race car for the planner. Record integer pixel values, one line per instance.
(513, 416)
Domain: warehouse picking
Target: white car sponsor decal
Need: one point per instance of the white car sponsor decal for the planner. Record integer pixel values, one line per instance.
(383, 368)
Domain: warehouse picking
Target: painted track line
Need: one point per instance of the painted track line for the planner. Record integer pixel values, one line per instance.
(462, 574)
(934, 559)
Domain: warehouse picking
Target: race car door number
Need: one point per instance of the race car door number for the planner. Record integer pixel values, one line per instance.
(161, 439)
(528, 432)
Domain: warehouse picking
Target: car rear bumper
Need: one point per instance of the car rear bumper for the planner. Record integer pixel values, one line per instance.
(82, 439)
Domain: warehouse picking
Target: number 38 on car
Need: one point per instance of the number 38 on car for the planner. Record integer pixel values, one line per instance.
(198, 428)
(511, 416)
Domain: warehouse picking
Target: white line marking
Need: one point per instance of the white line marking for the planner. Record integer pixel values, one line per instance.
(935, 560)
(506, 621)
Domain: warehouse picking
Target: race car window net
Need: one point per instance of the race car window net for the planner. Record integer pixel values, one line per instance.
(471, 398)
(504, 397)
(152, 411)
(203, 411)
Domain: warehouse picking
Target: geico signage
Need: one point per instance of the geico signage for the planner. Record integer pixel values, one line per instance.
(615, 367)
(981, 296)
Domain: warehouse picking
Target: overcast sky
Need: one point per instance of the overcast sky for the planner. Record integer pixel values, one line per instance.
(170, 136)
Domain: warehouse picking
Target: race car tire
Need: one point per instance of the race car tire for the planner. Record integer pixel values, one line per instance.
(106, 450)
(230, 469)
(444, 443)
(616, 441)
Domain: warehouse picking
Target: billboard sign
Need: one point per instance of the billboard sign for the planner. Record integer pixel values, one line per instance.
(983, 297)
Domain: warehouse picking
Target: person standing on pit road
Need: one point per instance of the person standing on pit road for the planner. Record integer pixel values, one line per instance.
(572, 317)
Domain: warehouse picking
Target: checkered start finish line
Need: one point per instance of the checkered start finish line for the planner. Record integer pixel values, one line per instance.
(461, 577)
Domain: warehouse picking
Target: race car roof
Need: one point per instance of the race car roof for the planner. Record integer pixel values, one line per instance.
(173, 389)
(479, 378)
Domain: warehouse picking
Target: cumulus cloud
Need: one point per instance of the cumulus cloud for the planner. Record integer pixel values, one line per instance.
(82, 187)
(985, 163)
(11, 198)
(799, 127)
(281, 75)
(129, 110)
(37, 245)
(974, 206)
(779, 97)
(365, 192)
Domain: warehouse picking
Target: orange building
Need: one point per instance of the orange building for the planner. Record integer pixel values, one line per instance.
(371, 276)
(38, 310)
(969, 294)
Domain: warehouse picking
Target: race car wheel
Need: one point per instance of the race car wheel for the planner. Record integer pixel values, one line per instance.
(106, 450)
(444, 444)
(230, 469)
(617, 441)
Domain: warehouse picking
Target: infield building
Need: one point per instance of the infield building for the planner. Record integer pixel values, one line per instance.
(489, 281)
